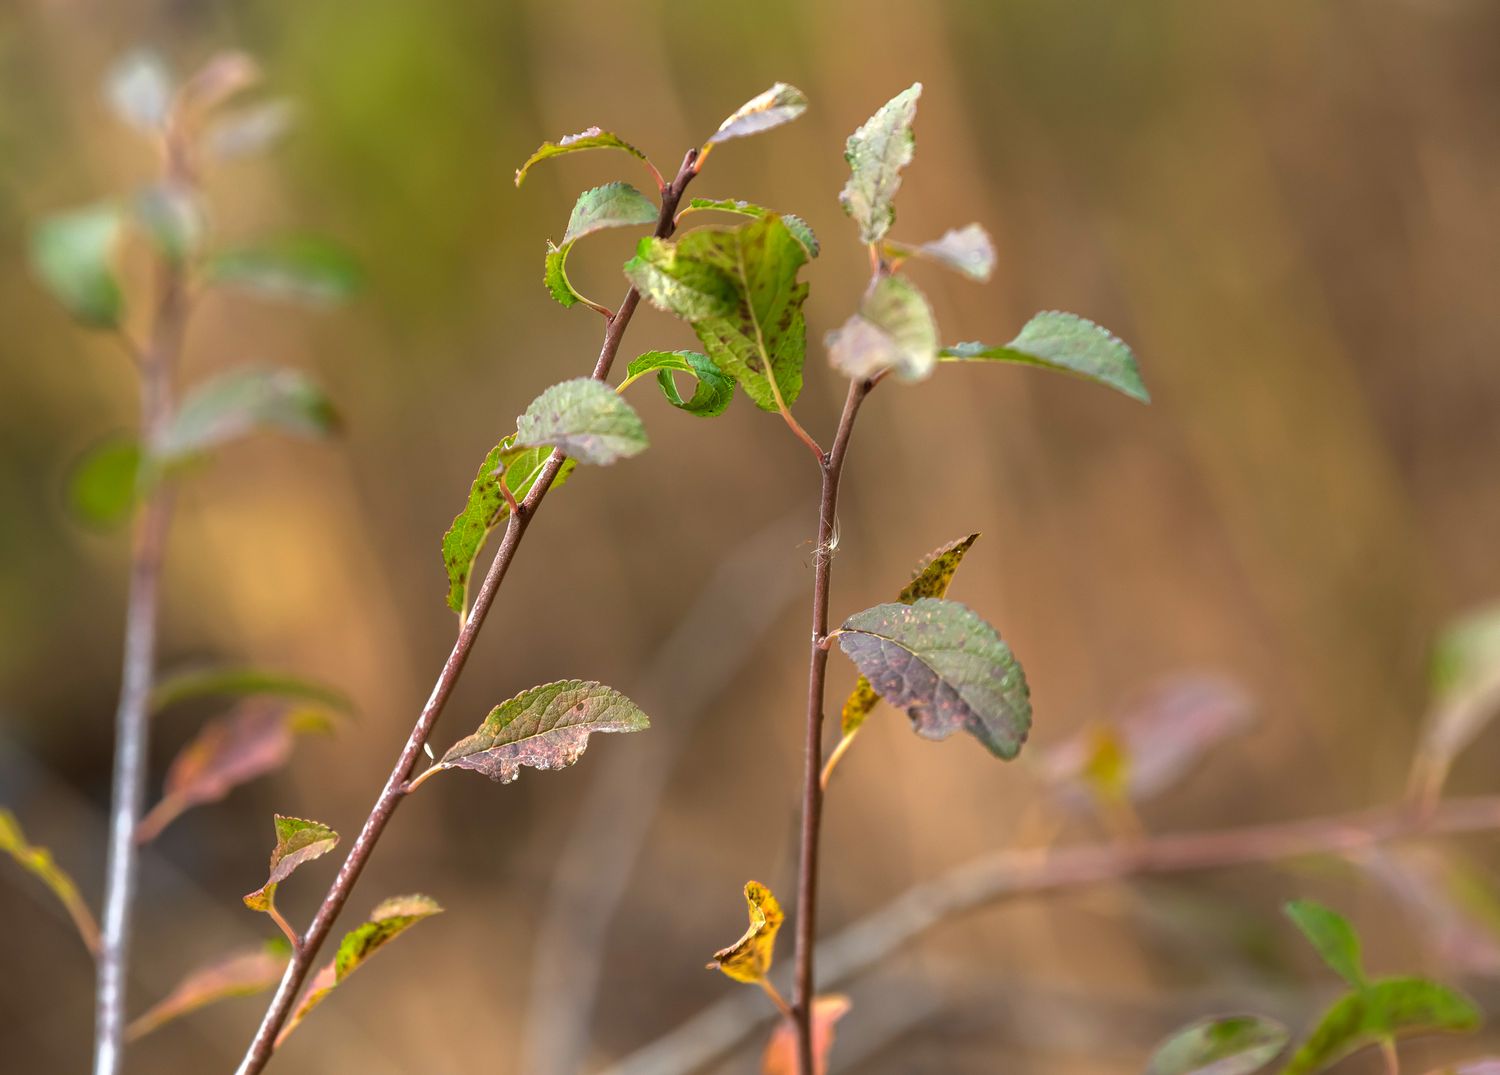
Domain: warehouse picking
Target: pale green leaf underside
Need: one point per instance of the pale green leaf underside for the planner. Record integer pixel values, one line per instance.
(946, 667)
(777, 105)
(546, 727)
(893, 330)
(713, 392)
(241, 402)
(800, 228)
(967, 250)
(584, 418)
(593, 138)
(1222, 1045)
(311, 271)
(1387, 1009)
(876, 154)
(72, 254)
(1067, 343)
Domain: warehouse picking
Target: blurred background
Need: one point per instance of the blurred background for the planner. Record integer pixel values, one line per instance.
(1288, 209)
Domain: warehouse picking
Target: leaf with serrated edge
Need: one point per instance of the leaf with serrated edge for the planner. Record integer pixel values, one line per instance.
(931, 579)
(239, 681)
(749, 958)
(308, 270)
(1066, 343)
(72, 254)
(244, 401)
(965, 250)
(584, 418)
(250, 741)
(777, 105)
(1387, 1009)
(714, 390)
(780, 1057)
(946, 667)
(799, 228)
(243, 973)
(546, 727)
(487, 508)
(876, 154)
(593, 138)
(1332, 936)
(387, 922)
(297, 841)
(893, 330)
(1220, 1045)
(39, 862)
(614, 205)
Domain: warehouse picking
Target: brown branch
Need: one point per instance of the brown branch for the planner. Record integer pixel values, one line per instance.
(1013, 874)
(264, 1042)
(832, 468)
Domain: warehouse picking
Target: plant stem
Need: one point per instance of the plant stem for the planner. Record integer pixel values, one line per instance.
(832, 467)
(264, 1042)
(132, 716)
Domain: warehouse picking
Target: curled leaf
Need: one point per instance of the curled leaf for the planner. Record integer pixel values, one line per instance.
(1382, 1011)
(614, 205)
(877, 153)
(1067, 343)
(244, 401)
(39, 862)
(584, 418)
(307, 270)
(73, 255)
(297, 841)
(1220, 1045)
(1331, 934)
(749, 958)
(799, 228)
(546, 727)
(593, 138)
(714, 390)
(239, 974)
(893, 330)
(946, 667)
(777, 105)
(780, 1057)
(967, 250)
(387, 922)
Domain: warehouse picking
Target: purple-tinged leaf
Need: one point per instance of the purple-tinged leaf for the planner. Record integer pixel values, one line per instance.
(239, 974)
(967, 250)
(297, 841)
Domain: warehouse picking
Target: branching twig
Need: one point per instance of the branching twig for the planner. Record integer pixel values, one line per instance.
(264, 1043)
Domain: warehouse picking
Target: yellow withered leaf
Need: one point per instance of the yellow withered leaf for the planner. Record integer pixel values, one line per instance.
(749, 958)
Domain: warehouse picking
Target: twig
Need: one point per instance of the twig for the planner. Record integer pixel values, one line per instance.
(1011, 874)
(264, 1042)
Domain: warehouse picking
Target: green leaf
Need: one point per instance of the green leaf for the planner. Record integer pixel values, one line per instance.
(777, 105)
(170, 216)
(387, 922)
(1333, 937)
(584, 418)
(242, 681)
(738, 289)
(1222, 1045)
(242, 973)
(306, 270)
(1388, 1009)
(487, 508)
(546, 727)
(713, 393)
(614, 205)
(39, 863)
(139, 89)
(103, 485)
(800, 228)
(245, 401)
(893, 330)
(73, 256)
(593, 138)
(946, 667)
(965, 250)
(876, 154)
(931, 579)
(297, 841)
(1067, 343)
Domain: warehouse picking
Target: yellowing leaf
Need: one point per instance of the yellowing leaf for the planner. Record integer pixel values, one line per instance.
(749, 958)
(38, 860)
(239, 974)
(387, 922)
(297, 841)
(780, 1057)
(593, 138)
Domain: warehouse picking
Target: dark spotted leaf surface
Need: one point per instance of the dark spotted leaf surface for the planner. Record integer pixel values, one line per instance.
(749, 958)
(794, 224)
(1067, 343)
(711, 396)
(297, 841)
(1221, 1045)
(877, 153)
(946, 667)
(893, 330)
(245, 401)
(240, 974)
(593, 138)
(614, 205)
(967, 250)
(584, 418)
(72, 255)
(1387, 1009)
(546, 727)
(777, 105)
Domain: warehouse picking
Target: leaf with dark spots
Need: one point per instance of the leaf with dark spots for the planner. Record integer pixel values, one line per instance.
(749, 958)
(546, 727)
(780, 1057)
(1382, 1011)
(713, 393)
(252, 740)
(777, 105)
(1066, 343)
(243, 973)
(794, 224)
(614, 205)
(387, 922)
(876, 154)
(38, 861)
(967, 250)
(297, 841)
(946, 667)
(584, 418)
(593, 138)
(1220, 1045)
(241, 402)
